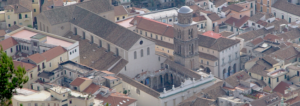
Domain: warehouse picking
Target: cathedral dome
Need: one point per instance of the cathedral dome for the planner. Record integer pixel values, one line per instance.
(185, 9)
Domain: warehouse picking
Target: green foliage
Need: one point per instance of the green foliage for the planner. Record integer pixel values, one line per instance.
(125, 92)
(11, 78)
(30, 26)
(106, 104)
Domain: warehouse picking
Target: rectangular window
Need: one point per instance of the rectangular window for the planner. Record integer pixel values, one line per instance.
(100, 43)
(134, 54)
(277, 79)
(117, 52)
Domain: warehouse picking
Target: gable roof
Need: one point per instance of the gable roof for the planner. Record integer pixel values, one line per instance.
(153, 26)
(259, 69)
(234, 79)
(91, 89)
(199, 18)
(259, 15)
(105, 29)
(120, 10)
(37, 58)
(218, 3)
(226, 33)
(53, 53)
(271, 37)
(27, 66)
(216, 44)
(8, 43)
(290, 35)
(237, 22)
(254, 34)
(285, 53)
(285, 6)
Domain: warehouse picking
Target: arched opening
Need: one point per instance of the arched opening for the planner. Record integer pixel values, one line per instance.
(161, 79)
(142, 82)
(229, 71)
(207, 70)
(166, 77)
(172, 82)
(234, 68)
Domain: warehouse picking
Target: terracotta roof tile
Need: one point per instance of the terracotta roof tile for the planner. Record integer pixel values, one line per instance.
(263, 23)
(78, 81)
(37, 58)
(257, 41)
(237, 22)
(27, 66)
(2, 33)
(285, 6)
(114, 99)
(8, 43)
(120, 10)
(281, 87)
(226, 33)
(110, 77)
(233, 7)
(53, 53)
(234, 79)
(213, 16)
(271, 37)
(91, 89)
(199, 18)
(266, 100)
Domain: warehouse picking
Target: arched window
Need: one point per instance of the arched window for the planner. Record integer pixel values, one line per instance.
(142, 53)
(148, 51)
(134, 54)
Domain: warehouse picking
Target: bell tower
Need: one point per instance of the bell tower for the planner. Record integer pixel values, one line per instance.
(186, 48)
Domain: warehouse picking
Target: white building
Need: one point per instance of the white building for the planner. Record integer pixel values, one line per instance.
(168, 16)
(285, 10)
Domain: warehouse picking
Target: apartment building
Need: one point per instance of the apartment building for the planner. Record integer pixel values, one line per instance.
(19, 12)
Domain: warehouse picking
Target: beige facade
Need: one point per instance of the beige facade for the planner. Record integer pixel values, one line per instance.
(264, 5)
(13, 18)
(36, 9)
(121, 17)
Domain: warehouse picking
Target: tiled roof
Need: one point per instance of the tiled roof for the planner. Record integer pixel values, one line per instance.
(139, 85)
(213, 17)
(285, 53)
(153, 26)
(234, 79)
(78, 81)
(93, 56)
(218, 3)
(267, 88)
(276, 23)
(27, 66)
(120, 10)
(91, 89)
(226, 33)
(212, 34)
(54, 3)
(285, 6)
(237, 22)
(162, 43)
(37, 58)
(104, 28)
(290, 35)
(259, 15)
(266, 100)
(281, 87)
(199, 18)
(210, 93)
(207, 56)
(254, 34)
(8, 43)
(96, 6)
(45, 74)
(53, 52)
(216, 44)
(20, 6)
(2, 33)
(14, 27)
(270, 60)
(233, 7)
(116, 99)
(182, 69)
(259, 69)
(271, 37)
(257, 41)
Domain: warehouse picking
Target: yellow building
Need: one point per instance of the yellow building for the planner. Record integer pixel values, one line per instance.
(19, 13)
(120, 13)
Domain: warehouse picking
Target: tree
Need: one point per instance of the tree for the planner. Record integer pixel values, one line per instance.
(10, 78)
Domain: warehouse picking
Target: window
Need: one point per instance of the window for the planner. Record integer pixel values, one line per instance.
(123, 17)
(26, 16)
(49, 64)
(38, 88)
(236, 55)
(158, 58)
(117, 52)
(141, 32)
(117, 18)
(277, 79)
(262, 78)
(8, 17)
(170, 20)
(134, 54)
(216, 63)
(8, 25)
(148, 51)
(146, 34)
(223, 61)
(161, 38)
(156, 37)
(290, 20)
(100, 43)
(70, 73)
(70, 101)
(92, 39)
(83, 35)
(11, 50)
(108, 47)
(34, 10)
(282, 16)
(274, 14)
(142, 53)
(20, 16)
(207, 63)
